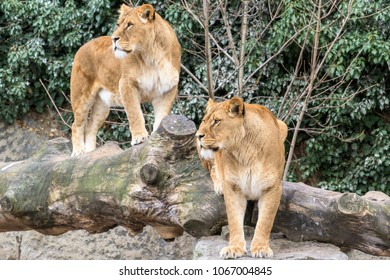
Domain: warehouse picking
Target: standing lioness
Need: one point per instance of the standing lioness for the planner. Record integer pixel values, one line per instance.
(140, 62)
(242, 145)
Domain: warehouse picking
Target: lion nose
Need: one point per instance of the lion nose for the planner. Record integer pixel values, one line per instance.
(115, 38)
(200, 136)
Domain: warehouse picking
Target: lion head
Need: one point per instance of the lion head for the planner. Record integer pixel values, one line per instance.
(134, 29)
(221, 128)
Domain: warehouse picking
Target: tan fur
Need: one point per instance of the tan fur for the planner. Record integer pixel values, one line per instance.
(140, 62)
(242, 145)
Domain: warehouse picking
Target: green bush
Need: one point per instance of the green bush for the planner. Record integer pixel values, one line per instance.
(39, 39)
(349, 152)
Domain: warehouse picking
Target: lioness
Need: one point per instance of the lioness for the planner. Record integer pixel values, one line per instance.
(140, 62)
(242, 145)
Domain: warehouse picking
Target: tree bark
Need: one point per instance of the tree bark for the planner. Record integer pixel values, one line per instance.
(343, 219)
(162, 183)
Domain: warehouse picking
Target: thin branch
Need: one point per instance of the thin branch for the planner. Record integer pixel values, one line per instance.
(54, 104)
(296, 70)
(202, 86)
(313, 74)
(339, 33)
(229, 33)
(244, 29)
(287, 43)
(215, 42)
(207, 46)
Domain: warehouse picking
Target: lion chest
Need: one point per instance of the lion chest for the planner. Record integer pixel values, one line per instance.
(155, 79)
(251, 181)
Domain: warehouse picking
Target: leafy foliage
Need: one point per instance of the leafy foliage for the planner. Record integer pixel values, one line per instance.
(343, 143)
(351, 104)
(39, 39)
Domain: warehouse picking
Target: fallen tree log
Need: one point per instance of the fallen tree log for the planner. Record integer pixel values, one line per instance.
(161, 183)
(344, 219)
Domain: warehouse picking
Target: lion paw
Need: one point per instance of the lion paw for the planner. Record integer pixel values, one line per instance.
(262, 252)
(232, 252)
(76, 153)
(138, 139)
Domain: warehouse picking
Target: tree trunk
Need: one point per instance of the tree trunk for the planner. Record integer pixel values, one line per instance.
(162, 183)
(343, 219)
(159, 183)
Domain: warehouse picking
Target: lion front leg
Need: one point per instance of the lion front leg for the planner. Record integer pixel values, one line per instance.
(132, 104)
(235, 203)
(268, 206)
(217, 182)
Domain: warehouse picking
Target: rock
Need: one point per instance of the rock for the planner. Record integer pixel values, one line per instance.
(115, 244)
(25, 137)
(208, 248)
(359, 255)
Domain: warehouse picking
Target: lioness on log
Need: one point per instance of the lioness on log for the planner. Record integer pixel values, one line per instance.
(242, 145)
(140, 62)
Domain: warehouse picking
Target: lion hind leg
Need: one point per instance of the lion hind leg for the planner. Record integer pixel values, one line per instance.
(235, 203)
(268, 206)
(162, 106)
(99, 114)
(82, 98)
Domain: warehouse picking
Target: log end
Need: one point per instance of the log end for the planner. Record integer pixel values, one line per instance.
(350, 203)
(6, 204)
(177, 127)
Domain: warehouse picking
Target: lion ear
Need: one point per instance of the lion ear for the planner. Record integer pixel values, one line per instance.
(123, 8)
(236, 107)
(146, 13)
(210, 104)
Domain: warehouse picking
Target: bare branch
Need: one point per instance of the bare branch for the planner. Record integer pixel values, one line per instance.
(308, 90)
(285, 45)
(242, 47)
(339, 33)
(202, 86)
(229, 33)
(54, 104)
(215, 42)
(206, 13)
(296, 70)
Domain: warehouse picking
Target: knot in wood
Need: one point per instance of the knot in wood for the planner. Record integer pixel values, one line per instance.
(6, 204)
(149, 173)
(350, 203)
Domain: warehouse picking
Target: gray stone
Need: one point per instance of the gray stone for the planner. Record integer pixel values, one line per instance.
(115, 244)
(359, 255)
(208, 249)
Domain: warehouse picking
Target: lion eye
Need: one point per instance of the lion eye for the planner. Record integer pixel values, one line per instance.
(216, 122)
(129, 25)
